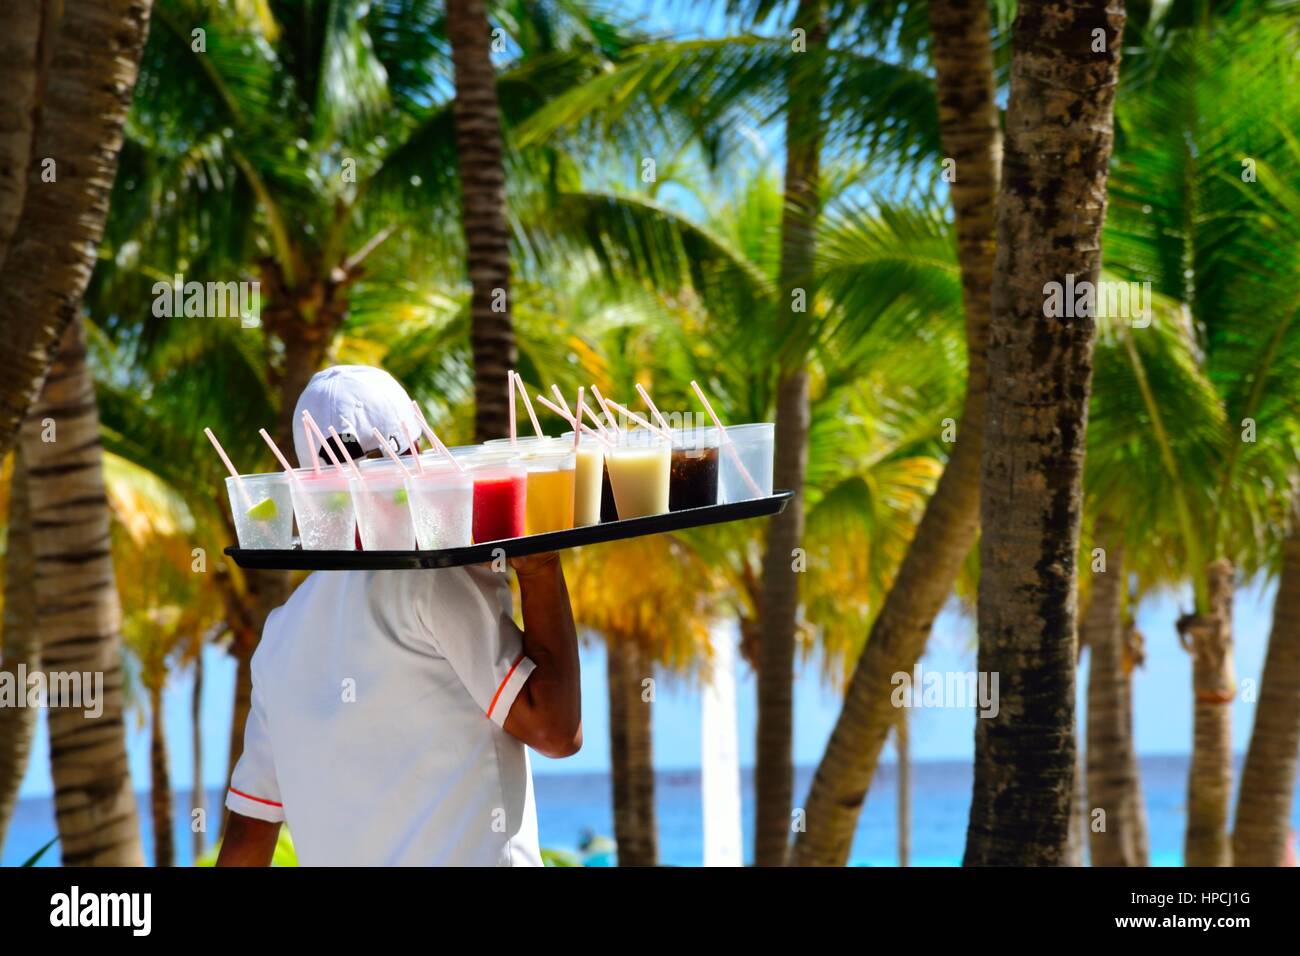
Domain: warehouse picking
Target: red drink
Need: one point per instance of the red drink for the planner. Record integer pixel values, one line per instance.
(499, 505)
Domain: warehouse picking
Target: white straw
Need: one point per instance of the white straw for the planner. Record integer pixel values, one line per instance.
(604, 404)
(388, 450)
(645, 397)
(528, 404)
(275, 450)
(577, 432)
(510, 391)
(239, 482)
(434, 440)
(356, 472)
(665, 435)
(320, 436)
(725, 440)
(410, 443)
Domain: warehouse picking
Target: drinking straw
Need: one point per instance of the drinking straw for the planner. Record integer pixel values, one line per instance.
(605, 406)
(528, 404)
(434, 440)
(239, 482)
(356, 472)
(388, 450)
(411, 444)
(594, 415)
(510, 390)
(645, 397)
(578, 426)
(564, 402)
(725, 440)
(320, 436)
(306, 433)
(275, 450)
(665, 435)
(577, 432)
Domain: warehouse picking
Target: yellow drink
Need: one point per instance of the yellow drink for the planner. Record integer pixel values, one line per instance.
(586, 484)
(549, 502)
(638, 475)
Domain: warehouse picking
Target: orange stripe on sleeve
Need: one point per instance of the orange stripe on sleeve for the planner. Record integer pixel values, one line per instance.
(502, 685)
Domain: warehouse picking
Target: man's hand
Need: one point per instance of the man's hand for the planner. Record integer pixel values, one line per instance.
(547, 714)
(248, 842)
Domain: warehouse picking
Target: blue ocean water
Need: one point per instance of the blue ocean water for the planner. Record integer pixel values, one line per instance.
(571, 804)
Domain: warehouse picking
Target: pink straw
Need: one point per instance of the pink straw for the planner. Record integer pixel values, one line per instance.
(434, 440)
(275, 450)
(528, 404)
(510, 390)
(665, 435)
(725, 440)
(578, 426)
(594, 415)
(645, 397)
(559, 397)
(306, 433)
(239, 482)
(356, 472)
(320, 436)
(577, 432)
(411, 444)
(388, 450)
(604, 406)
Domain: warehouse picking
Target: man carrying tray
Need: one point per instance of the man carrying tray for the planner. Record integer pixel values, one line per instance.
(391, 708)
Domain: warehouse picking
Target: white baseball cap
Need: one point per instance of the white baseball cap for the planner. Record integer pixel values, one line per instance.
(354, 399)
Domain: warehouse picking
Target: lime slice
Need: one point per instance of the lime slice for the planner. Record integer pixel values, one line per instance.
(399, 496)
(337, 500)
(264, 510)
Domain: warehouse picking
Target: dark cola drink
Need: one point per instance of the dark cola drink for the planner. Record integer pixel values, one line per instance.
(693, 480)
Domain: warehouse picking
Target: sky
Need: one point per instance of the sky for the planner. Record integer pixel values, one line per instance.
(1162, 705)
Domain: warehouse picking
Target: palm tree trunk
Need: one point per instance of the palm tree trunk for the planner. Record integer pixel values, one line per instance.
(22, 52)
(85, 102)
(903, 746)
(198, 799)
(1050, 212)
(1077, 839)
(1209, 780)
(1113, 782)
(968, 127)
(483, 201)
(774, 762)
(1268, 779)
(631, 755)
(22, 642)
(79, 614)
(160, 784)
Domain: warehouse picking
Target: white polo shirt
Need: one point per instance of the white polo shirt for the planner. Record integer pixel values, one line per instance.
(376, 724)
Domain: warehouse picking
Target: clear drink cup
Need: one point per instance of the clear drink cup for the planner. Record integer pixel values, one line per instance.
(693, 481)
(551, 470)
(266, 523)
(587, 479)
(500, 498)
(323, 506)
(442, 507)
(383, 511)
(753, 445)
(639, 468)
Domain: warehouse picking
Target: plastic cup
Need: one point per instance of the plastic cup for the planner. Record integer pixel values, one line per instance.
(442, 506)
(551, 478)
(500, 495)
(268, 523)
(323, 507)
(383, 510)
(639, 467)
(753, 445)
(693, 480)
(588, 480)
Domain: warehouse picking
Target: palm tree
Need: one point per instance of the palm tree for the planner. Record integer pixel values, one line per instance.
(968, 128)
(483, 199)
(48, 259)
(22, 647)
(1049, 222)
(78, 613)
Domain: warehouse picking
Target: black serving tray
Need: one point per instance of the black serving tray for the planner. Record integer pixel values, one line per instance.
(296, 559)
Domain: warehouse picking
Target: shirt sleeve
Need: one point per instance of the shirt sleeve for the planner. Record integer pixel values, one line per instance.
(473, 628)
(254, 791)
